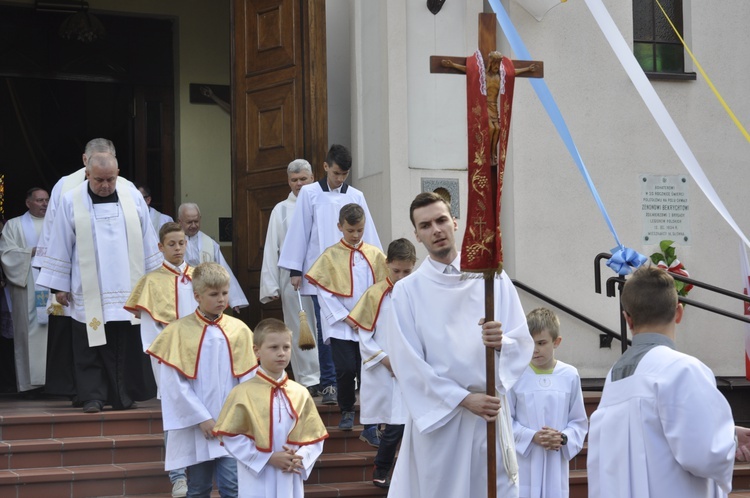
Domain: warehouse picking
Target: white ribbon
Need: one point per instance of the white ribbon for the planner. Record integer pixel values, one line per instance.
(657, 109)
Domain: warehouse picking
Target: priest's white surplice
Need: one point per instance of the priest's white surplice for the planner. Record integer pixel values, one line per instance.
(275, 282)
(188, 402)
(29, 332)
(200, 249)
(61, 269)
(314, 227)
(663, 431)
(437, 355)
(256, 478)
(547, 400)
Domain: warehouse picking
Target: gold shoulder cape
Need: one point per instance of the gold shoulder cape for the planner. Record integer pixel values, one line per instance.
(366, 311)
(248, 411)
(179, 344)
(332, 271)
(156, 294)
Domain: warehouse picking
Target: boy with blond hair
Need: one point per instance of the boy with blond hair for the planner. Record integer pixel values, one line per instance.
(270, 423)
(549, 418)
(380, 396)
(202, 357)
(342, 274)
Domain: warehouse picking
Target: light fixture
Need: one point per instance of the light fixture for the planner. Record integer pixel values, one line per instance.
(80, 25)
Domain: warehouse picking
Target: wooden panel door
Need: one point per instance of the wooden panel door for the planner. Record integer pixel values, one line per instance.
(279, 105)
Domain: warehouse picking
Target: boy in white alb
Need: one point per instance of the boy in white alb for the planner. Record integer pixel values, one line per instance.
(165, 295)
(202, 357)
(661, 428)
(379, 396)
(270, 424)
(342, 274)
(312, 230)
(549, 418)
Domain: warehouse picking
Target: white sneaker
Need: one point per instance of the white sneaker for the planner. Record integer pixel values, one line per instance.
(179, 488)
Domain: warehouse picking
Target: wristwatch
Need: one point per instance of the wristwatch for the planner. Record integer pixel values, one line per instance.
(564, 438)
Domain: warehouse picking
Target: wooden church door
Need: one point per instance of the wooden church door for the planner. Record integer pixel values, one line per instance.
(279, 113)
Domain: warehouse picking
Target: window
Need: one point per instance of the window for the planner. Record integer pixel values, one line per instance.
(656, 46)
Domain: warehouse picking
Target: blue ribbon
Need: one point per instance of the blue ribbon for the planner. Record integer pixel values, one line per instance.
(624, 259)
(621, 254)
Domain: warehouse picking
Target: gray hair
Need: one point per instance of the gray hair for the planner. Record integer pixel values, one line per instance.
(99, 145)
(103, 159)
(297, 166)
(187, 205)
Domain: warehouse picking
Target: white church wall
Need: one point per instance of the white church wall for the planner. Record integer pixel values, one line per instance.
(618, 140)
(552, 227)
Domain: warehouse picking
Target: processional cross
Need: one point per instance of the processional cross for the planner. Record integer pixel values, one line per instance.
(489, 126)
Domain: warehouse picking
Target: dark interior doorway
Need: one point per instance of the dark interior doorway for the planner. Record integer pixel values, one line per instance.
(57, 93)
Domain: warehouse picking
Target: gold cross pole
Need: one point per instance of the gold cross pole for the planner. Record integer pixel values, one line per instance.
(523, 69)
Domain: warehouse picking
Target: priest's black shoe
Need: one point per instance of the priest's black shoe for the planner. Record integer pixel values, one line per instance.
(92, 406)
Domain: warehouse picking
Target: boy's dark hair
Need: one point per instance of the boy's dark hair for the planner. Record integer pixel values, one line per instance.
(167, 228)
(268, 326)
(351, 213)
(542, 319)
(649, 297)
(425, 199)
(401, 250)
(30, 192)
(339, 155)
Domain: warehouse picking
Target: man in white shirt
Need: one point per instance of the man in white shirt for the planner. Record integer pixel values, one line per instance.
(101, 243)
(201, 248)
(275, 281)
(17, 247)
(437, 340)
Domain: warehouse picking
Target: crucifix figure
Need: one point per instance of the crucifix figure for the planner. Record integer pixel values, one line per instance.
(493, 76)
(495, 79)
(489, 105)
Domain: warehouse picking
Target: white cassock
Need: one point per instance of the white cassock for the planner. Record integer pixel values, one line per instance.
(314, 228)
(158, 219)
(274, 282)
(380, 396)
(200, 249)
(188, 402)
(256, 478)
(61, 269)
(547, 400)
(19, 237)
(438, 355)
(664, 431)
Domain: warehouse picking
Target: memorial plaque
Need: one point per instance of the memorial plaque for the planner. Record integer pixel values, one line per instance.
(665, 208)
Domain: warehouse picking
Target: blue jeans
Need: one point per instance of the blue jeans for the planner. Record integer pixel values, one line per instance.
(200, 478)
(325, 358)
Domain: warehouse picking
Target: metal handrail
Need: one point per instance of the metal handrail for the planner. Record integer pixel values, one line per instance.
(617, 283)
(570, 311)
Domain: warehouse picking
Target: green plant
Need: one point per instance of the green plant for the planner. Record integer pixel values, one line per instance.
(667, 259)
